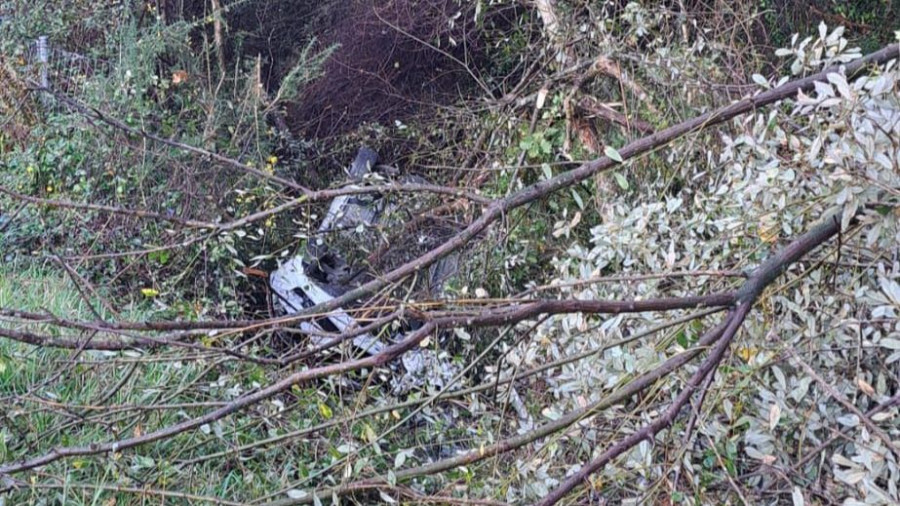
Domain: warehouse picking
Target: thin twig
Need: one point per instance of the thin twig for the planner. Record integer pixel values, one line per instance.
(843, 401)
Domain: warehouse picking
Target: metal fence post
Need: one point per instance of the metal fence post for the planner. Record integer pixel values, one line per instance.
(43, 51)
(43, 54)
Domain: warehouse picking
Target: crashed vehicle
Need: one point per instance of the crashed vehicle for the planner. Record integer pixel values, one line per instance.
(322, 272)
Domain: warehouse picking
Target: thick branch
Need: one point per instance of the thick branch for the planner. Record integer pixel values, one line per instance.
(735, 320)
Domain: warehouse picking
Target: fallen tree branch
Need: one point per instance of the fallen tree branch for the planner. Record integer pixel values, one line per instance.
(492, 317)
(735, 320)
(137, 213)
(761, 278)
(373, 361)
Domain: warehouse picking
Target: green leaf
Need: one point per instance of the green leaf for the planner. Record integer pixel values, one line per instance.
(546, 147)
(325, 410)
(577, 197)
(760, 80)
(623, 183)
(548, 171)
(612, 154)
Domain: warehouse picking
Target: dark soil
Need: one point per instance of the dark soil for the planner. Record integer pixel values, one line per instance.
(384, 69)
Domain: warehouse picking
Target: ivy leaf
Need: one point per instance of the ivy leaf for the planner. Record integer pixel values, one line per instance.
(612, 154)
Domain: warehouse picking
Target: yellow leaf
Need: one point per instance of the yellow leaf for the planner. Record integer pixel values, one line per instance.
(748, 354)
(149, 292)
(325, 410)
(179, 76)
(370, 434)
(865, 387)
(768, 229)
(78, 464)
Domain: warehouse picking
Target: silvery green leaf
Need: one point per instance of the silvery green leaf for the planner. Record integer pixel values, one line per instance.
(841, 460)
(841, 82)
(835, 35)
(823, 90)
(850, 420)
(890, 288)
(797, 497)
(577, 197)
(850, 210)
(890, 343)
(391, 478)
(753, 453)
(612, 154)
(850, 477)
(547, 170)
(760, 80)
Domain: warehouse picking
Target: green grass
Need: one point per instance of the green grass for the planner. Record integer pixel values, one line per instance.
(54, 397)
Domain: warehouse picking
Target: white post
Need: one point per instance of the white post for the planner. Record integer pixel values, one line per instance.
(43, 57)
(43, 54)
